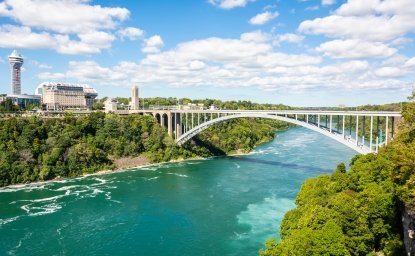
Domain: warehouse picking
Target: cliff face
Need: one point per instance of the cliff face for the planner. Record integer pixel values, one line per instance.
(408, 224)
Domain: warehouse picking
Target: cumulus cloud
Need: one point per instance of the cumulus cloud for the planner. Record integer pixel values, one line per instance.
(255, 36)
(48, 76)
(355, 49)
(67, 26)
(75, 16)
(250, 60)
(366, 20)
(288, 38)
(390, 72)
(131, 33)
(229, 4)
(410, 63)
(264, 17)
(23, 37)
(153, 44)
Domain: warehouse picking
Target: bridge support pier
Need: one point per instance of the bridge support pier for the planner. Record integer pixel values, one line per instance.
(371, 134)
(178, 125)
(169, 124)
(344, 121)
(387, 130)
(331, 121)
(162, 120)
(357, 130)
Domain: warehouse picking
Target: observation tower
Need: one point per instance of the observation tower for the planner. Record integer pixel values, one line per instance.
(16, 63)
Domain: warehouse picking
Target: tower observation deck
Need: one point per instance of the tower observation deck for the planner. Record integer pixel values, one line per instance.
(16, 63)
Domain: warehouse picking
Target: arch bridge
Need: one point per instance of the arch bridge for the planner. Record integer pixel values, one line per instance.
(362, 131)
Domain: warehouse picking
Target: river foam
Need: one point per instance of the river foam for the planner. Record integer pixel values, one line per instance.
(263, 217)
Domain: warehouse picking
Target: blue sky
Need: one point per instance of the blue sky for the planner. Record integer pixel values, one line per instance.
(301, 53)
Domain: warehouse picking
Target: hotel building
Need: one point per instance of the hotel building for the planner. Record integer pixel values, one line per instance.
(61, 96)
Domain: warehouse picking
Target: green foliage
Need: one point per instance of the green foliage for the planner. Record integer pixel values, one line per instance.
(360, 209)
(8, 106)
(40, 149)
(328, 240)
(241, 104)
(34, 149)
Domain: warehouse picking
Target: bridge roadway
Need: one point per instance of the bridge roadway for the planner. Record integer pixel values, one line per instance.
(346, 127)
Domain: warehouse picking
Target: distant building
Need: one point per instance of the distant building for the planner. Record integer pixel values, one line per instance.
(111, 105)
(61, 96)
(191, 106)
(16, 63)
(3, 97)
(135, 102)
(25, 101)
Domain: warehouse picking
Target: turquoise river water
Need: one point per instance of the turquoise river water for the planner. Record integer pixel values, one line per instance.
(219, 206)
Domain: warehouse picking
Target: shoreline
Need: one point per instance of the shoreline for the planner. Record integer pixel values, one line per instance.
(120, 170)
(98, 173)
(107, 172)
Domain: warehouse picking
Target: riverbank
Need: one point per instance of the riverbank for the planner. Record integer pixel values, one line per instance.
(121, 165)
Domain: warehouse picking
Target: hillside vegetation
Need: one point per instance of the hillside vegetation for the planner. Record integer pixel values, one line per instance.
(356, 212)
(33, 149)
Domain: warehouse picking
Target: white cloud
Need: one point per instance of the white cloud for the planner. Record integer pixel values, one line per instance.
(23, 37)
(131, 33)
(288, 38)
(410, 63)
(248, 61)
(47, 76)
(67, 26)
(196, 65)
(40, 65)
(357, 8)
(65, 45)
(63, 16)
(328, 2)
(229, 4)
(255, 36)
(98, 39)
(355, 49)
(153, 44)
(264, 17)
(372, 20)
(390, 72)
(210, 49)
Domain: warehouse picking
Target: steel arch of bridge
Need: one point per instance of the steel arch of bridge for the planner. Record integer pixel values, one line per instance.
(339, 137)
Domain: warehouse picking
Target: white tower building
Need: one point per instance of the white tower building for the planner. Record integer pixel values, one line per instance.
(16, 62)
(134, 98)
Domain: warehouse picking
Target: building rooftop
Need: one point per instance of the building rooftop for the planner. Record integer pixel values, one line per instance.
(23, 96)
(87, 89)
(15, 54)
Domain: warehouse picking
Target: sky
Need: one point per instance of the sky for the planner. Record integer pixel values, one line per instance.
(296, 52)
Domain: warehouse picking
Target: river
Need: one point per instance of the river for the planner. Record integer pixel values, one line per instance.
(219, 206)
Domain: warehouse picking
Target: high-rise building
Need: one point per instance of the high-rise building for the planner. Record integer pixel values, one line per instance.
(16, 63)
(61, 96)
(134, 98)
